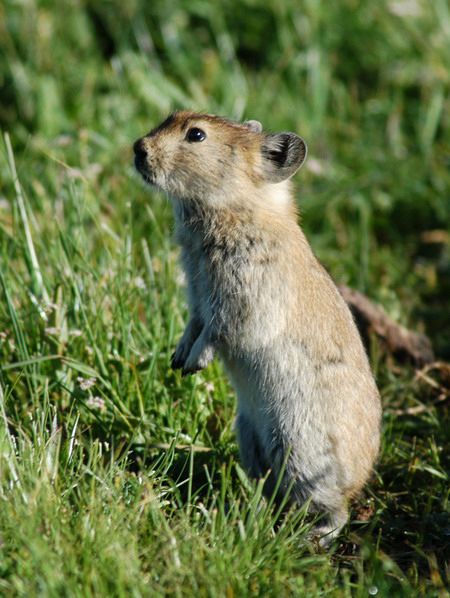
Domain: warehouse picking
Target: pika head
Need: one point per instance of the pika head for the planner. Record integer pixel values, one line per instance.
(204, 157)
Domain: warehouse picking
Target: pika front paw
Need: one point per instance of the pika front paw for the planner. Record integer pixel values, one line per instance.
(191, 370)
(180, 355)
(177, 360)
(185, 344)
(191, 366)
(199, 357)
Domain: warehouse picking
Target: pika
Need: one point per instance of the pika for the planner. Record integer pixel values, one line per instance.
(308, 407)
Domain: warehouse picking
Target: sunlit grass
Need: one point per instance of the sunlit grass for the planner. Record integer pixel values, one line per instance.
(99, 495)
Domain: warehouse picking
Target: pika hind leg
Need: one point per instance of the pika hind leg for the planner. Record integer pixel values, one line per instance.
(330, 526)
(327, 499)
(257, 462)
(250, 449)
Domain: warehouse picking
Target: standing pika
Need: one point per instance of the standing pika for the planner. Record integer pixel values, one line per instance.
(258, 297)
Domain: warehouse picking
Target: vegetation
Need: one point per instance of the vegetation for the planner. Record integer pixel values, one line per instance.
(97, 497)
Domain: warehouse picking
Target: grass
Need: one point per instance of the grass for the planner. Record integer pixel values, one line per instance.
(96, 496)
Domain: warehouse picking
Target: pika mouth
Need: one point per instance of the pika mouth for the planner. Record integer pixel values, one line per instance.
(143, 170)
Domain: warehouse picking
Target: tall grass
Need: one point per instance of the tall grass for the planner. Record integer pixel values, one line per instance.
(98, 495)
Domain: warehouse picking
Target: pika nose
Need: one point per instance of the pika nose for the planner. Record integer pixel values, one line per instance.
(139, 149)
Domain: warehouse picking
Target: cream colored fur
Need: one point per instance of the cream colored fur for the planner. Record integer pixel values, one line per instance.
(261, 301)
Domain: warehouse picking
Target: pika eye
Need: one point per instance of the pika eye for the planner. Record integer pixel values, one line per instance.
(195, 134)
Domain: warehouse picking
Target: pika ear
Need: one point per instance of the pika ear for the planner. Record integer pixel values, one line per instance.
(253, 125)
(283, 154)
